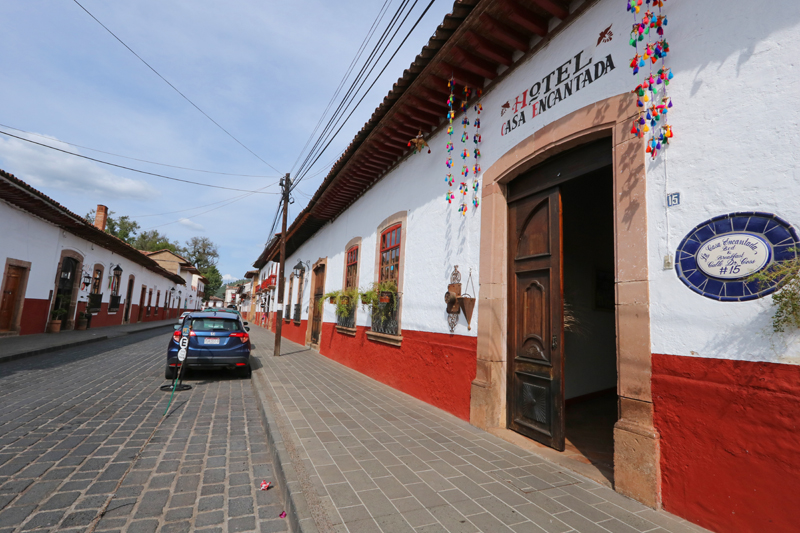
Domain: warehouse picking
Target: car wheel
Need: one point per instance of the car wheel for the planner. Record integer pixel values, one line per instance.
(170, 373)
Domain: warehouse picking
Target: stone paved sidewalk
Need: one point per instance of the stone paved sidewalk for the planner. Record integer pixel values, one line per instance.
(368, 458)
(16, 347)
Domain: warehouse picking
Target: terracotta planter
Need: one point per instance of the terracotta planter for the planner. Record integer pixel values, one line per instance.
(345, 300)
(386, 297)
(81, 324)
(364, 300)
(54, 326)
(332, 300)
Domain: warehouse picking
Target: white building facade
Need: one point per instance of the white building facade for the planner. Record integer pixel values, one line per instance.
(598, 269)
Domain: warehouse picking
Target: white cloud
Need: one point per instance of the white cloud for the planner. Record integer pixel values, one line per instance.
(228, 277)
(47, 168)
(190, 224)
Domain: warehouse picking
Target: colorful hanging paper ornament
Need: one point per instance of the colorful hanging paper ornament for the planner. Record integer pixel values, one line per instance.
(449, 130)
(477, 153)
(462, 188)
(418, 142)
(464, 137)
(478, 108)
(475, 185)
(476, 202)
(449, 197)
(449, 162)
(465, 171)
(449, 180)
(476, 138)
(465, 154)
(462, 209)
(476, 168)
(464, 106)
(450, 147)
(465, 122)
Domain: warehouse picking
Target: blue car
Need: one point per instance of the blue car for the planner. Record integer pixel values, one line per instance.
(216, 340)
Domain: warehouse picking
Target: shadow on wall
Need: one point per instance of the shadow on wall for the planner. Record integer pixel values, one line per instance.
(730, 32)
(785, 346)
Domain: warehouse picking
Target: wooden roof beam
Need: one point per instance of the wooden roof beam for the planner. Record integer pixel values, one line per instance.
(388, 150)
(383, 158)
(527, 18)
(505, 34)
(461, 76)
(475, 64)
(553, 7)
(440, 110)
(402, 129)
(413, 122)
(419, 114)
(488, 49)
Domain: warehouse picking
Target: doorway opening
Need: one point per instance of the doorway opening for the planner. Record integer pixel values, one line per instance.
(562, 370)
(590, 347)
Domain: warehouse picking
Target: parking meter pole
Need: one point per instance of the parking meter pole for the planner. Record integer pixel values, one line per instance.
(286, 182)
(178, 381)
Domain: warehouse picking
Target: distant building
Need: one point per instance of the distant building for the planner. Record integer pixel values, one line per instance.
(195, 282)
(58, 266)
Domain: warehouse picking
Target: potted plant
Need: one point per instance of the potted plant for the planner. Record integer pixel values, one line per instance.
(56, 315)
(345, 301)
(83, 321)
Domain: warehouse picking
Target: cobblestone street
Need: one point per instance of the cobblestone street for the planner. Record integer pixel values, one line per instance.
(72, 423)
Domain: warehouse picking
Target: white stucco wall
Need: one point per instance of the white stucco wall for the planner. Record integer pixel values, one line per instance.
(28, 238)
(734, 116)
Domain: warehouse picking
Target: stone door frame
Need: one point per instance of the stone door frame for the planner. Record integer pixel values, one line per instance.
(636, 441)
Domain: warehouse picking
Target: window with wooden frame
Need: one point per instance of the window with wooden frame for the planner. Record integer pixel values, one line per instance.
(351, 268)
(97, 280)
(390, 254)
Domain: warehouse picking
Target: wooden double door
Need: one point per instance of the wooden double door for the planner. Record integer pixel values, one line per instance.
(535, 380)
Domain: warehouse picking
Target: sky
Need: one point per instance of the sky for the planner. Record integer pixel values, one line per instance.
(263, 70)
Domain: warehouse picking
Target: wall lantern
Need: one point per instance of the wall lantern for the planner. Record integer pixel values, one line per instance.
(299, 269)
(456, 303)
(117, 269)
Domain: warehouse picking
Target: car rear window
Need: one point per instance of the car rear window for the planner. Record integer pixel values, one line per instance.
(215, 324)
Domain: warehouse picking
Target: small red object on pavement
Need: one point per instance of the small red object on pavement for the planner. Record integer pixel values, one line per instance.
(265, 485)
(283, 514)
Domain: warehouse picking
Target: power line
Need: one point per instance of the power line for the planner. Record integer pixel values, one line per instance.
(135, 159)
(242, 197)
(367, 91)
(173, 87)
(184, 210)
(133, 169)
(359, 52)
(360, 77)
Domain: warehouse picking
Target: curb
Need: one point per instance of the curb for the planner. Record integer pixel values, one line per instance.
(297, 510)
(48, 349)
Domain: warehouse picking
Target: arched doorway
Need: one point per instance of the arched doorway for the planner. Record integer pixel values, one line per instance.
(66, 290)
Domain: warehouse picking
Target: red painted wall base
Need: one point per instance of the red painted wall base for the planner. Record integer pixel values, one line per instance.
(34, 316)
(434, 367)
(730, 442)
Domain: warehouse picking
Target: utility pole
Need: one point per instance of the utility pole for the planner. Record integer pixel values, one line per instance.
(286, 182)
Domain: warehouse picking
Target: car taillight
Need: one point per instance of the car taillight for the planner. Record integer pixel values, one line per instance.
(242, 335)
(176, 336)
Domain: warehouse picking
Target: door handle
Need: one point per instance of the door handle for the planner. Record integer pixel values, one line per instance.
(554, 345)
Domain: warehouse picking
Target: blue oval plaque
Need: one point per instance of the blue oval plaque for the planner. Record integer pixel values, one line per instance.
(718, 256)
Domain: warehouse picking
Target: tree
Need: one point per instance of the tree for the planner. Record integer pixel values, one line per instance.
(152, 241)
(123, 227)
(214, 280)
(202, 253)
